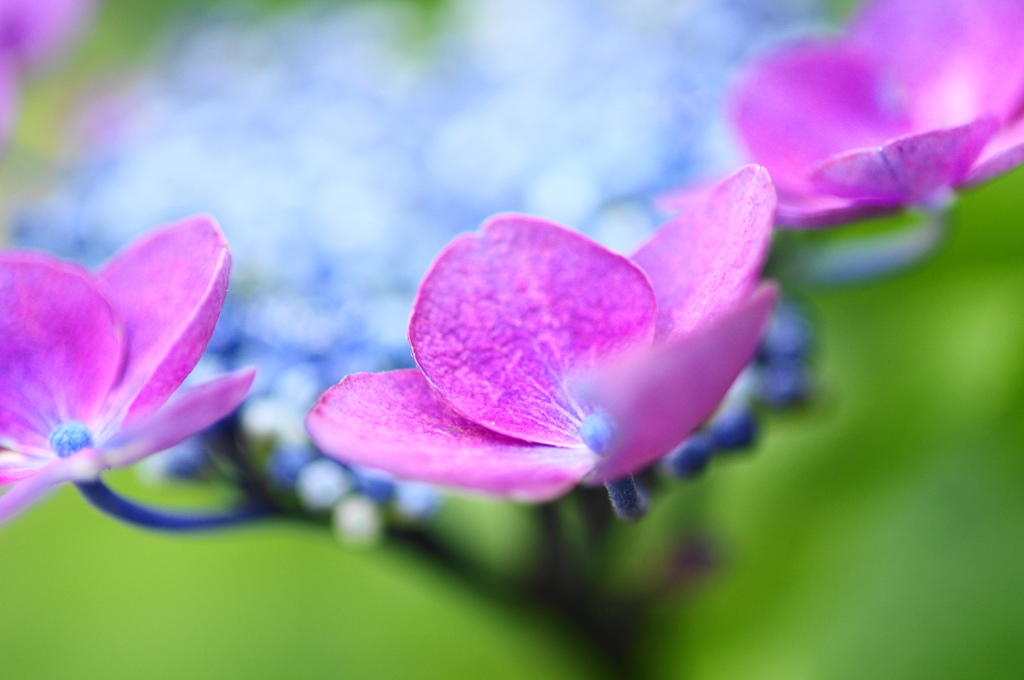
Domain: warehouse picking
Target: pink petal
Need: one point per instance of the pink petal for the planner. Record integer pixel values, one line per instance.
(658, 396)
(506, 313)
(810, 101)
(33, 30)
(189, 412)
(820, 210)
(957, 59)
(1004, 152)
(80, 467)
(710, 257)
(911, 169)
(17, 465)
(167, 287)
(396, 422)
(61, 349)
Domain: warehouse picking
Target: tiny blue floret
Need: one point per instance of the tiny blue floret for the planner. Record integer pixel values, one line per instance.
(733, 428)
(598, 432)
(376, 485)
(691, 457)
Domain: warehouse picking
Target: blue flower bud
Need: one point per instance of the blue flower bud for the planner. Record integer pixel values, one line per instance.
(788, 337)
(376, 485)
(415, 501)
(734, 427)
(691, 457)
(322, 484)
(286, 462)
(783, 384)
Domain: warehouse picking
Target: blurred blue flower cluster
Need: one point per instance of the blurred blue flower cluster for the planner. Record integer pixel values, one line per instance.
(342, 147)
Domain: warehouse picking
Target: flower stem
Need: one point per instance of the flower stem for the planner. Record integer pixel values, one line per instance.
(106, 500)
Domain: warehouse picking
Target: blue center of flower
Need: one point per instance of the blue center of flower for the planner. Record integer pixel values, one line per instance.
(598, 432)
(70, 437)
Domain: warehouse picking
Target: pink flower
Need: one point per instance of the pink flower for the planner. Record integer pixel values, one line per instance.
(89, 361)
(920, 97)
(546, 359)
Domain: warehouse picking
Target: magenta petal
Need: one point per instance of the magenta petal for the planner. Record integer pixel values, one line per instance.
(61, 349)
(811, 101)
(957, 59)
(816, 211)
(913, 169)
(83, 466)
(396, 422)
(657, 397)
(710, 257)
(190, 411)
(17, 465)
(167, 288)
(506, 313)
(1004, 152)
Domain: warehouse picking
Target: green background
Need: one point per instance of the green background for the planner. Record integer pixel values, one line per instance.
(878, 535)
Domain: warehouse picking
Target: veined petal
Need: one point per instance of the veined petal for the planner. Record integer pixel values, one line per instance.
(1004, 152)
(396, 422)
(958, 59)
(506, 313)
(710, 257)
(908, 169)
(61, 349)
(167, 288)
(658, 396)
(810, 101)
(80, 467)
(189, 412)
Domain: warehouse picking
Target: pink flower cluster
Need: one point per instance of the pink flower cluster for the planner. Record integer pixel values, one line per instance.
(89, 361)
(918, 98)
(544, 360)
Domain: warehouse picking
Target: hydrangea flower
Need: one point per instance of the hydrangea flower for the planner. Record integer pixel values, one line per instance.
(545, 359)
(89, 361)
(918, 98)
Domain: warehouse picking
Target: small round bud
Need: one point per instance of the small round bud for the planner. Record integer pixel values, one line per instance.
(357, 521)
(415, 501)
(321, 484)
(286, 462)
(733, 428)
(691, 457)
(377, 485)
(784, 384)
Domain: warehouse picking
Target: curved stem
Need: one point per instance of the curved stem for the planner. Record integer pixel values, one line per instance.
(106, 500)
(850, 261)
